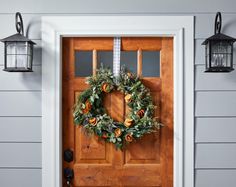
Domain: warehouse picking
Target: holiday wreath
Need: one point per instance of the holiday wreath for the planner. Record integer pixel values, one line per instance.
(91, 115)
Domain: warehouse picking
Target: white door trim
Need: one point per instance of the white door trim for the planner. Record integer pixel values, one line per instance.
(179, 27)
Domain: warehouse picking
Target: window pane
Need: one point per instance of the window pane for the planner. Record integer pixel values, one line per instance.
(83, 63)
(105, 58)
(151, 64)
(129, 59)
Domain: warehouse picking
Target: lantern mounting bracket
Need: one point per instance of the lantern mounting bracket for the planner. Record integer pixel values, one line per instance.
(19, 23)
(218, 22)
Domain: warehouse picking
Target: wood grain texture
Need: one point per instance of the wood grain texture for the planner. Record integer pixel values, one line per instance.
(147, 162)
(143, 43)
(95, 63)
(140, 63)
(86, 43)
(167, 111)
(68, 96)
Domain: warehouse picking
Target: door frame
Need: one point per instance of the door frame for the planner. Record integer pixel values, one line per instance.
(181, 28)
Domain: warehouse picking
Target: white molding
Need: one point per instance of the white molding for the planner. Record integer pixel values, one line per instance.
(179, 27)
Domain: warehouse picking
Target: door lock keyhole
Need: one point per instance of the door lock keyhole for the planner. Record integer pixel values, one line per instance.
(68, 175)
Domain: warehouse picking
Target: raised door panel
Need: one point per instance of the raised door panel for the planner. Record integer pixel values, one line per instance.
(144, 151)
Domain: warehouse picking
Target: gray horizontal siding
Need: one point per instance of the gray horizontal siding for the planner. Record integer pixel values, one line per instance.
(199, 56)
(215, 178)
(217, 103)
(214, 81)
(20, 177)
(20, 159)
(215, 130)
(21, 81)
(220, 155)
(20, 155)
(20, 129)
(122, 6)
(20, 103)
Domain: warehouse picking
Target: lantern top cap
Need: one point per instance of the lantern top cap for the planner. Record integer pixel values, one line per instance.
(219, 37)
(17, 38)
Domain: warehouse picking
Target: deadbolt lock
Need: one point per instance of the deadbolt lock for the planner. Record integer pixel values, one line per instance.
(68, 155)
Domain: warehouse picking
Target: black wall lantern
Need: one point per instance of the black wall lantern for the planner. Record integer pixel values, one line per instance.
(18, 50)
(219, 50)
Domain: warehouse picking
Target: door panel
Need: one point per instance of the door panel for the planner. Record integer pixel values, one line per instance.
(146, 162)
(144, 151)
(90, 149)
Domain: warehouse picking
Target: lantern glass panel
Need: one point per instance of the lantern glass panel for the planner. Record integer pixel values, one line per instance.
(19, 55)
(10, 55)
(221, 54)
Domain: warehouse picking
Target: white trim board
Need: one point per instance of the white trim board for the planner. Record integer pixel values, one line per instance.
(179, 27)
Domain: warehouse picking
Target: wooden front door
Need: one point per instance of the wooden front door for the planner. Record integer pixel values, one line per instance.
(147, 162)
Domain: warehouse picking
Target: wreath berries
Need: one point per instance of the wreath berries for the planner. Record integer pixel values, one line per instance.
(91, 115)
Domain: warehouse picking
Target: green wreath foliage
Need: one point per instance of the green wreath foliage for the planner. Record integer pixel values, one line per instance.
(90, 113)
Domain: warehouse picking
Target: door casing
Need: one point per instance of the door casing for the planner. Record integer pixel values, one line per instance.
(179, 27)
